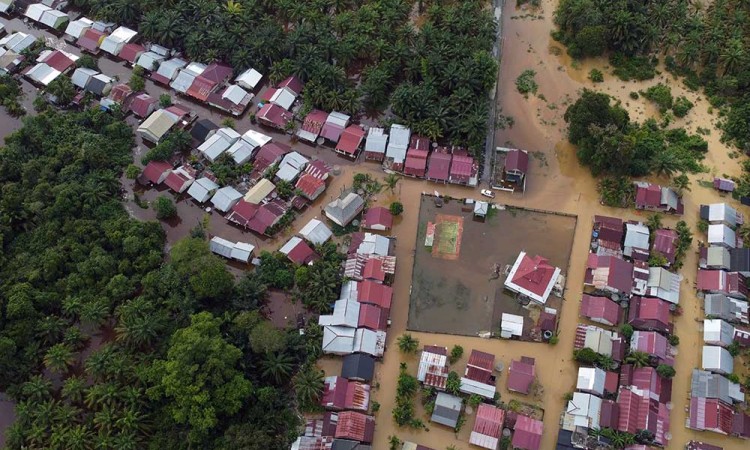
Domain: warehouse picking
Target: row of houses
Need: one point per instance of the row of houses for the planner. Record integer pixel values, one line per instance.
(479, 379)
(621, 288)
(714, 394)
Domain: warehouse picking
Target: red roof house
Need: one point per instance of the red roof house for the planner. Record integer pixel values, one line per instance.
(131, 51)
(375, 293)
(205, 83)
(439, 166)
(377, 218)
(647, 196)
(143, 105)
(710, 414)
(157, 171)
(292, 83)
(600, 309)
(298, 252)
(355, 426)
(648, 380)
(59, 61)
(418, 142)
(373, 270)
(242, 212)
(416, 162)
(488, 426)
(517, 161)
(373, 317)
(310, 186)
(318, 169)
(462, 169)
(90, 40)
(274, 116)
(480, 366)
(609, 229)
(120, 93)
(665, 243)
(311, 126)
(741, 425)
(609, 273)
(650, 313)
(350, 141)
(527, 433)
(267, 216)
(179, 180)
(269, 155)
(521, 375)
(340, 394)
(654, 344)
(532, 277)
(639, 412)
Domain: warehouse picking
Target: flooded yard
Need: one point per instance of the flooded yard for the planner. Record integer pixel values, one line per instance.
(466, 295)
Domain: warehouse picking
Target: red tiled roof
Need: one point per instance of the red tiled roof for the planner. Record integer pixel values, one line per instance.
(648, 196)
(600, 308)
(131, 51)
(314, 121)
(520, 375)
(372, 317)
(378, 215)
(665, 242)
(517, 160)
(120, 92)
(59, 61)
(482, 360)
(373, 270)
(155, 169)
(201, 88)
(489, 421)
(141, 104)
(302, 253)
(527, 434)
(439, 167)
(710, 414)
(375, 293)
(242, 212)
(356, 426)
(309, 185)
(350, 139)
(462, 167)
(534, 274)
(274, 115)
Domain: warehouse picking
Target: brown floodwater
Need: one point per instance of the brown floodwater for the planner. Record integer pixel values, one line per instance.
(556, 182)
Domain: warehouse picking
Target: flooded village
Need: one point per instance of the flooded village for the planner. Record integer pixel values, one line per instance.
(499, 276)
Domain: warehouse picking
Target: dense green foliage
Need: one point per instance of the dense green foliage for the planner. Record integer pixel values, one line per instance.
(10, 93)
(353, 56)
(610, 144)
(526, 84)
(105, 345)
(404, 413)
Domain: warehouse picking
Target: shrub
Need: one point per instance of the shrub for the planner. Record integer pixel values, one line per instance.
(634, 95)
(661, 95)
(596, 76)
(627, 331)
(632, 67)
(673, 339)
(132, 172)
(164, 208)
(681, 106)
(456, 353)
(453, 383)
(525, 83)
(165, 100)
(396, 208)
(665, 371)
(554, 340)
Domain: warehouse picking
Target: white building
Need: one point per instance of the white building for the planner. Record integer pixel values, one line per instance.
(717, 359)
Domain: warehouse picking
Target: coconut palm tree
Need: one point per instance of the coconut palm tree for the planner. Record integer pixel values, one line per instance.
(59, 358)
(233, 8)
(276, 366)
(391, 180)
(654, 222)
(308, 384)
(407, 343)
(138, 331)
(665, 163)
(37, 388)
(73, 389)
(51, 329)
(732, 56)
(638, 359)
(78, 438)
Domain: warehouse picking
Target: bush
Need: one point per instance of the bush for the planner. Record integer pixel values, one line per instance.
(665, 371)
(673, 339)
(87, 62)
(132, 172)
(627, 331)
(164, 208)
(634, 95)
(554, 340)
(681, 106)
(661, 95)
(632, 67)
(456, 353)
(396, 208)
(596, 76)
(525, 83)
(165, 100)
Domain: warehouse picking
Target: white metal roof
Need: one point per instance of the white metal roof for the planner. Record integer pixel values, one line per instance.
(721, 212)
(182, 82)
(242, 251)
(290, 245)
(148, 59)
(5, 5)
(717, 359)
(221, 246)
(583, 411)
(316, 232)
(664, 284)
(374, 244)
(241, 151)
(398, 143)
(636, 236)
(54, 18)
(591, 379)
(195, 68)
(202, 189)
(257, 139)
(717, 332)
(345, 314)
(159, 50)
(235, 94)
(18, 41)
(35, 11)
(511, 324)
(229, 134)
(283, 97)
(43, 74)
(168, 69)
(225, 198)
(249, 78)
(257, 193)
(721, 234)
(370, 342)
(469, 386)
(338, 340)
(376, 140)
(338, 118)
(81, 76)
(291, 165)
(77, 27)
(349, 289)
(123, 34)
(428, 359)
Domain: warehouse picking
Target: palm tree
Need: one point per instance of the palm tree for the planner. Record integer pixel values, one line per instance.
(37, 388)
(73, 389)
(62, 88)
(665, 163)
(732, 56)
(51, 329)
(638, 359)
(94, 312)
(391, 180)
(681, 183)
(59, 358)
(407, 343)
(67, 414)
(250, 293)
(104, 419)
(308, 384)
(78, 438)
(234, 8)
(654, 222)
(276, 367)
(138, 331)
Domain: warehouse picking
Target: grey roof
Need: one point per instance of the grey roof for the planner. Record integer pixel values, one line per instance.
(720, 234)
(718, 213)
(82, 75)
(316, 232)
(739, 259)
(376, 140)
(730, 309)
(447, 409)
(202, 189)
(291, 165)
(346, 444)
(717, 332)
(717, 359)
(221, 246)
(148, 60)
(636, 237)
(358, 367)
(169, 68)
(669, 198)
(343, 210)
(720, 257)
(664, 284)
(225, 198)
(704, 384)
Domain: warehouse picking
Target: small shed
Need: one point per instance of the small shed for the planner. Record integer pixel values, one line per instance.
(242, 251)
(511, 325)
(76, 28)
(724, 185)
(447, 410)
(221, 246)
(377, 218)
(249, 79)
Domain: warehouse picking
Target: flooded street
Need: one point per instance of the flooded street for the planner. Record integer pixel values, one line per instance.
(556, 182)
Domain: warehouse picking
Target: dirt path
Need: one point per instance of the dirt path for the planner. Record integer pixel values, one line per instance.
(558, 183)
